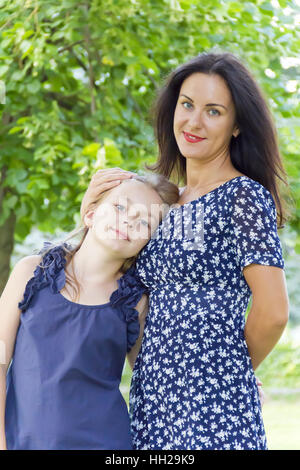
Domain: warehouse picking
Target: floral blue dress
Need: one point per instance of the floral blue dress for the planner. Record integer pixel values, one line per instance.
(63, 381)
(193, 385)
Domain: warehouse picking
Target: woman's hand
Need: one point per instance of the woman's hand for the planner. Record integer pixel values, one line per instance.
(260, 391)
(100, 182)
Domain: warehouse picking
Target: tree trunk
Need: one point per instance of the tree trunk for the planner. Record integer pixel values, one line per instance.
(6, 248)
(6, 238)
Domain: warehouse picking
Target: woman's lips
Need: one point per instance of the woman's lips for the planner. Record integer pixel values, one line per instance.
(192, 138)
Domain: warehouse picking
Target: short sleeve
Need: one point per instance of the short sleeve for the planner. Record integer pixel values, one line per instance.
(254, 228)
(49, 272)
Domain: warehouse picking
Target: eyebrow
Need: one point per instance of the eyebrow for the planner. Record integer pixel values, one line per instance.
(208, 104)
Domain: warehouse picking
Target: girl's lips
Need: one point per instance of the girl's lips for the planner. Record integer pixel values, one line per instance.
(192, 138)
(122, 235)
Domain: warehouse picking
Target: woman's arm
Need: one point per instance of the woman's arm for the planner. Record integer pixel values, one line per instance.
(142, 307)
(9, 323)
(101, 181)
(269, 312)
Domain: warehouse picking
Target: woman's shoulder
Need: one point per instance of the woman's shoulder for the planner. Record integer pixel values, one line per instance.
(250, 201)
(246, 188)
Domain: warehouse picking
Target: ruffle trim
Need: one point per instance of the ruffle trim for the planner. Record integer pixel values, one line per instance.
(51, 272)
(124, 299)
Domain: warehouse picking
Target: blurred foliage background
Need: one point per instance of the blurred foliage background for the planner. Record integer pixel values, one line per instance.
(77, 81)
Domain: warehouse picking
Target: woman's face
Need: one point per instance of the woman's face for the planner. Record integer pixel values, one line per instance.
(204, 118)
(126, 218)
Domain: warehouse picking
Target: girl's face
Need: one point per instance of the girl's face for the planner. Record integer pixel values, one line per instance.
(126, 218)
(204, 118)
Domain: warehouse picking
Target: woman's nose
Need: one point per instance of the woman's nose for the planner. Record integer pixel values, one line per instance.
(195, 120)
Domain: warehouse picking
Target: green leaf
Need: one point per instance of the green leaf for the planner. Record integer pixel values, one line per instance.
(91, 149)
(18, 75)
(34, 86)
(16, 129)
(267, 8)
(3, 70)
(10, 202)
(14, 176)
(112, 153)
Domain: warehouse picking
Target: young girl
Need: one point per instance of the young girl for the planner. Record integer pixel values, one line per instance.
(68, 334)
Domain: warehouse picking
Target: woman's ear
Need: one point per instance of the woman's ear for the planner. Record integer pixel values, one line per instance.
(236, 132)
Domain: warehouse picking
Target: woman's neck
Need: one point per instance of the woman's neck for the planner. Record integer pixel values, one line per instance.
(201, 174)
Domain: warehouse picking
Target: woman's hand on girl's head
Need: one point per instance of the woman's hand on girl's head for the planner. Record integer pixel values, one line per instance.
(101, 181)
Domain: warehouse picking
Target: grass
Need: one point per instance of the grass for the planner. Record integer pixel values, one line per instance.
(281, 416)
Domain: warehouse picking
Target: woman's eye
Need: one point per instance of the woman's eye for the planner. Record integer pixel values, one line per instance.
(213, 112)
(187, 105)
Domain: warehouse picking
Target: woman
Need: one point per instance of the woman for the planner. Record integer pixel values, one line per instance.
(193, 384)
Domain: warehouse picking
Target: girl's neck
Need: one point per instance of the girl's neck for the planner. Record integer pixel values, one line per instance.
(95, 264)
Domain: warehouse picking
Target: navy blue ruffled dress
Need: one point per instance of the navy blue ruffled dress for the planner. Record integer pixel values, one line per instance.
(63, 381)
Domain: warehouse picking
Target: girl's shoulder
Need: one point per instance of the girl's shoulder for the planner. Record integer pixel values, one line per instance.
(19, 278)
(26, 266)
(24, 270)
(46, 268)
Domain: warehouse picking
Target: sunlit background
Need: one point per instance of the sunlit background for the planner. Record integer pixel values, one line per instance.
(77, 80)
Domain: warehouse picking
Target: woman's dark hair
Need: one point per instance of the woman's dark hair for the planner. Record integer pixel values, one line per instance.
(253, 152)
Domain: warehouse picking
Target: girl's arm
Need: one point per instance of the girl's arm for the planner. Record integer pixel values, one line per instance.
(142, 308)
(9, 322)
(269, 312)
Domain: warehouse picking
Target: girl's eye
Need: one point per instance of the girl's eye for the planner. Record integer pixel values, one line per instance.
(120, 207)
(213, 112)
(145, 223)
(187, 105)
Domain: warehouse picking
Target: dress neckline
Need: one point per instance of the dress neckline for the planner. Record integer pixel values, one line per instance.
(213, 190)
(70, 302)
(106, 304)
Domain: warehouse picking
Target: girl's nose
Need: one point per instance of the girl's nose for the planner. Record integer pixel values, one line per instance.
(132, 215)
(128, 222)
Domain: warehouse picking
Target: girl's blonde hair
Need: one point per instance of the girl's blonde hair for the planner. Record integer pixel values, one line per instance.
(168, 193)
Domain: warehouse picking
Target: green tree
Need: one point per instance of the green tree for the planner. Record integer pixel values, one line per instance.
(80, 78)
